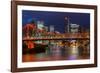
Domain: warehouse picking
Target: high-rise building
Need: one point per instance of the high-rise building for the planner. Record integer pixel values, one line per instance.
(74, 28)
(40, 25)
(46, 28)
(51, 28)
(67, 25)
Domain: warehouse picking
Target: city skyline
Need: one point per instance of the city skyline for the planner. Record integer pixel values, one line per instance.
(57, 19)
(60, 42)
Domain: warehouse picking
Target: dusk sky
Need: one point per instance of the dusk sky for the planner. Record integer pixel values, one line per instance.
(56, 18)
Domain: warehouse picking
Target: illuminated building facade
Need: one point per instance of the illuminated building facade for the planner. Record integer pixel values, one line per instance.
(74, 28)
(40, 25)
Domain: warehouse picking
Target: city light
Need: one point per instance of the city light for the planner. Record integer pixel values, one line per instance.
(46, 43)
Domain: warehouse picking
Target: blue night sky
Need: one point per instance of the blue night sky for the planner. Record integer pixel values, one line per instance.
(56, 18)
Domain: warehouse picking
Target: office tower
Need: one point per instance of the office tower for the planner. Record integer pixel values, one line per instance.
(67, 25)
(40, 25)
(74, 28)
(51, 28)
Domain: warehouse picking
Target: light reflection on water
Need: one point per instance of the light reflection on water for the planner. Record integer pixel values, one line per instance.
(58, 50)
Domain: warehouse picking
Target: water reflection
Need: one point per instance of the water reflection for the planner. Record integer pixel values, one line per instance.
(50, 50)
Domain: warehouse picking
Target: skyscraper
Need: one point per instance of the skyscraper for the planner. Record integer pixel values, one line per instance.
(74, 28)
(40, 25)
(67, 25)
(51, 28)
